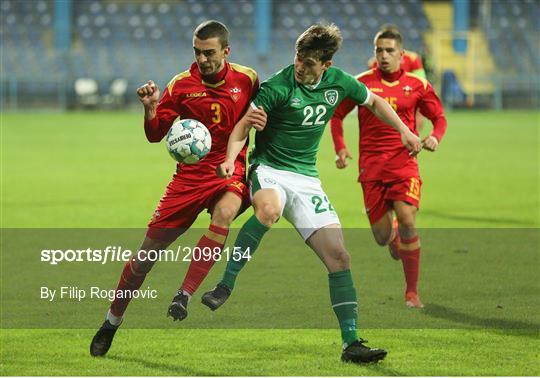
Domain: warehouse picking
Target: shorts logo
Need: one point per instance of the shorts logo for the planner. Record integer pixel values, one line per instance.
(237, 184)
(270, 181)
(331, 96)
(155, 216)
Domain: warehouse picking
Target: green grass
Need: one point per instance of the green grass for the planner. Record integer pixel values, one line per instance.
(95, 170)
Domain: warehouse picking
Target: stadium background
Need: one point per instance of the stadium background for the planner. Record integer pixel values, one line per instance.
(488, 57)
(81, 161)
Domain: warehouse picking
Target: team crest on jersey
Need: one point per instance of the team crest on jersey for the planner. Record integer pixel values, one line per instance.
(407, 89)
(235, 93)
(331, 97)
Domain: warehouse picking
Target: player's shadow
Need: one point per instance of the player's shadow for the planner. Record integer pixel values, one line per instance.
(381, 370)
(169, 369)
(505, 326)
(438, 214)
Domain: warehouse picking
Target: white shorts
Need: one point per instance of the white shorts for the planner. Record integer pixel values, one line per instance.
(303, 201)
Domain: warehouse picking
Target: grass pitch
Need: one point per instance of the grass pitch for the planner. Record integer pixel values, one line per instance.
(95, 170)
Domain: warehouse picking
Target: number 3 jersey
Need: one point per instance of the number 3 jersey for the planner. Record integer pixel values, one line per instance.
(382, 154)
(219, 106)
(297, 116)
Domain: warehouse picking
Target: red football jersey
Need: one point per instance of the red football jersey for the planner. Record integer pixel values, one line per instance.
(382, 155)
(410, 62)
(218, 106)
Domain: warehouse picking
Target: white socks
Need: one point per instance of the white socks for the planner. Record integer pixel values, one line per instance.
(114, 320)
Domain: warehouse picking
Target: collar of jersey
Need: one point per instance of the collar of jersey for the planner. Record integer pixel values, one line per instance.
(213, 85)
(313, 86)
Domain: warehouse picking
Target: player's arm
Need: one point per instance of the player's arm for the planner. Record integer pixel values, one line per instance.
(159, 115)
(431, 107)
(336, 128)
(255, 117)
(382, 110)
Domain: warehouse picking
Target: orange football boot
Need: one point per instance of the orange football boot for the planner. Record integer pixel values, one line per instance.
(412, 300)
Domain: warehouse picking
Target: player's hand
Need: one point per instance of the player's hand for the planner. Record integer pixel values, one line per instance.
(225, 169)
(149, 94)
(412, 142)
(341, 158)
(256, 117)
(430, 143)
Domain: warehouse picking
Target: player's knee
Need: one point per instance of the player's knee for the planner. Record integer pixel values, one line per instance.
(267, 213)
(407, 222)
(148, 254)
(223, 215)
(341, 260)
(382, 238)
(143, 262)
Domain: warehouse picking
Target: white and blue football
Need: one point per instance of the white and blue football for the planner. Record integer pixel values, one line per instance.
(188, 141)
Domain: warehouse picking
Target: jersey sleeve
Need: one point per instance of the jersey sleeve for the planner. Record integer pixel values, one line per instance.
(270, 95)
(158, 127)
(336, 123)
(356, 90)
(431, 107)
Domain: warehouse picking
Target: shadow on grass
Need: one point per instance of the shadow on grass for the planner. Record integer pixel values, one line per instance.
(168, 369)
(505, 326)
(383, 371)
(475, 218)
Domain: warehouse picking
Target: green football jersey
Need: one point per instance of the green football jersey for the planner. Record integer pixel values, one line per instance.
(297, 116)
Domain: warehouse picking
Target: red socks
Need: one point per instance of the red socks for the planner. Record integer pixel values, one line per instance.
(130, 280)
(409, 251)
(213, 240)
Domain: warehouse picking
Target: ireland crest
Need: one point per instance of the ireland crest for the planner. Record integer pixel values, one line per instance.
(331, 96)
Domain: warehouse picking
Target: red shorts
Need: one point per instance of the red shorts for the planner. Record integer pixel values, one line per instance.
(379, 195)
(184, 200)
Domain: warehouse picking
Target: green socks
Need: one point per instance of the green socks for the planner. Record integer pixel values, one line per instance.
(344, 304)
(246, 243)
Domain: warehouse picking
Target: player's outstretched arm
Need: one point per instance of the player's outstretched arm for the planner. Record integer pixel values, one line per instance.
(378, 106)
(254, 117)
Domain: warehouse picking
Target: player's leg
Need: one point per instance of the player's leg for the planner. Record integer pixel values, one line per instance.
(409, 251)
(316, 220)
(328, 244)
(225, 209)
(175, 213)
(381, 216)
(268, 200)
(131, 279)
(267, 207)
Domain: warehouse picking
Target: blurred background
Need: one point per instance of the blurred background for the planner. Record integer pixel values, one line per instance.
(73, 54)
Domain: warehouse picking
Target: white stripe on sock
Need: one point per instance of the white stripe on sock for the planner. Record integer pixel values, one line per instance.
(344, 303)
(114, 320)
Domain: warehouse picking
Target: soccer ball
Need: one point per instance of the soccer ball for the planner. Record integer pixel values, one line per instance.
(188, 141)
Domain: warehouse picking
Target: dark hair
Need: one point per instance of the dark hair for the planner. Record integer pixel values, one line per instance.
(320, 42)
(389, 33)
(212, 29)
